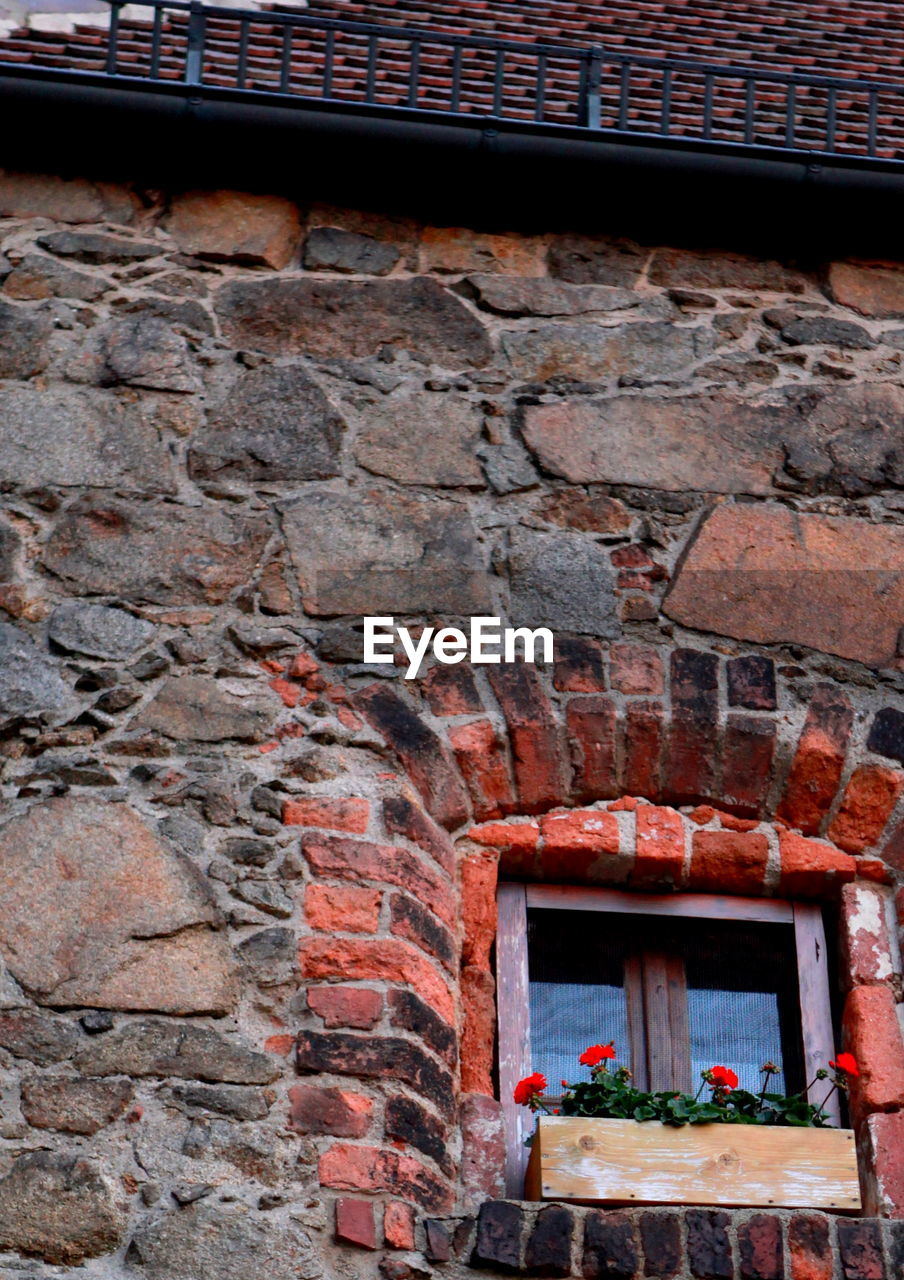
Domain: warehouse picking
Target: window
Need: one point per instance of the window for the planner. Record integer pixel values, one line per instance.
(678, 981)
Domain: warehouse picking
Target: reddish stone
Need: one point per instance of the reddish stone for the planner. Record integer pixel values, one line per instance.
(288, 692)
(811, 869)
(593, 734)
(885, 1139)
(344, 859)
(483, 761)
(303, 666)
(873, 1035)
(283, 1045)
(332, 908)
(644, 734)
(348, 1168)
(478, 909)
(748, 750)
(819, 761)
(870, 290)
(313, 1110)
(235, 226)
(636, 669)
(810, 1247)
(536, 749)
(341, 814)
(579, 665)
(346, 1006)
(765, 573)
(451, 691)
(659, 853)
(398, 1225)
(865, 943)
(482, 1147)
(702, 815)
(728, 861)
(866, 806)
(478, 1038)
(388, 960)
(355, 1223)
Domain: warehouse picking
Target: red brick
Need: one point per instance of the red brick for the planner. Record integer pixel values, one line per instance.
(403, 817)
(810, 1247)
(398, 1225)
(343, 814)
(873, 1035)
(873, 869)
(691, 757)
(592, 732)
(478, 909)
(885, 1185)
(314, 1110)
(893, 852)
(537, 751)
(644, 734)
(579, 665)
(346, 1006)
(636, 669)
(866, 806)
(811, 869)
(358, 860)
(348, 1168)
(579, 843)
(451, 691)
(342, 910)
(411, 920)
(818, 762)
(659, 852)
(760, 1248)
(303, 666)
(728, 861)
(702, 815)
(482, 1147)
(510, 837)
(355, 1223)
(732, 823)
(389, 960)
(865, 943)
(478, 1039)
(748, 750)
(483, 762)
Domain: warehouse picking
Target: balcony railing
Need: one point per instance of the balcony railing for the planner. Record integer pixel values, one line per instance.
(308, 59)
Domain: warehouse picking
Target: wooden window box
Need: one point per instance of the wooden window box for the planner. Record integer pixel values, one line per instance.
(618, 1162)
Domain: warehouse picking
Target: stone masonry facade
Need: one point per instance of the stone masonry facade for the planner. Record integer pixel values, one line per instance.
(247, 880)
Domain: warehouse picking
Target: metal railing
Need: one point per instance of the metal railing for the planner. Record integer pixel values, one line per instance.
(330, 60)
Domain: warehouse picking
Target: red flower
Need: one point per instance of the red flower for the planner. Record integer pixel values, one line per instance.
(723, 1078)
(597, 1053)
(847, 1063)
(564, 1084)
(526, 1089)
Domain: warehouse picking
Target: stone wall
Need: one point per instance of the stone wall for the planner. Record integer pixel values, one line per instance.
(246, 1015)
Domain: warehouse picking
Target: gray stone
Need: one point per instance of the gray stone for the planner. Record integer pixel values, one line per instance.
(135, 350)
(198, 709)
(37, 1037)
(275, 425)
(31, 684)
(332, 249)
(266, 897)
(66, 436)
(708, 269)
(59, 1206)
(523, 296)
(124, 922)
(99, 632)
(252, 1149)
(185, 314)
(656, 351)
(10, 546)
(563, 581)
(23, 341)
(508, 467)
(74, 1106)
(837, 333)
(368, 552)
(247, 852)
(591, 260)
(239, 1101)
(95, 248)
(352, 318)
(164, 1048)
(37, 276)
(850, 441)
(204, 1241)
(154, 554)
(270, 956)
(426, 438)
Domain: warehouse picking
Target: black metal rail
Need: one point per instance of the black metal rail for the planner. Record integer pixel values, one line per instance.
(592, 90)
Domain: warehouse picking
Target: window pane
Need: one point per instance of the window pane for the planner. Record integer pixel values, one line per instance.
(577, 997)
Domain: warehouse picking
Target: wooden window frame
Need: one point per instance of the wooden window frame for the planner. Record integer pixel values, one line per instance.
(513, 1006)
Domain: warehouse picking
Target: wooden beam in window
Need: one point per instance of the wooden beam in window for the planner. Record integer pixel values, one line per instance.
(705, 906)
(513, 1008)
(637, 1033)
(815, 999)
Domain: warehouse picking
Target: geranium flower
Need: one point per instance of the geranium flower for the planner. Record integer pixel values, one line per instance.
(597, 1053)
(847, 1063)
(528, 1088)
(722, 1078)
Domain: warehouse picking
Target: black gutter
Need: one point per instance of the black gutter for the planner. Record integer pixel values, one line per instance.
(462, 168)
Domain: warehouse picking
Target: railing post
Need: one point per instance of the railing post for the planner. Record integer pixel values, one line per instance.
(194, 53)
(592, 102)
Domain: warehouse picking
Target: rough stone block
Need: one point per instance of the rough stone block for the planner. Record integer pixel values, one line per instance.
(234, 226)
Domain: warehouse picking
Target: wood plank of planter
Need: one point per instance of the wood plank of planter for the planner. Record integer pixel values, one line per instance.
(626, 1162)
